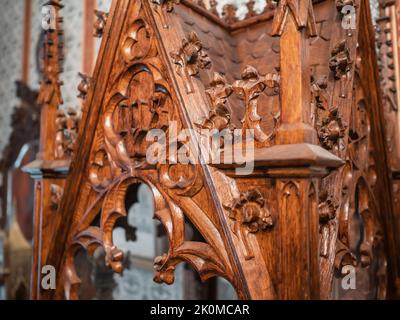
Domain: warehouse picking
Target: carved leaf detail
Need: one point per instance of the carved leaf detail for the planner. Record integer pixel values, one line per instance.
(190, 59)
(250, 214)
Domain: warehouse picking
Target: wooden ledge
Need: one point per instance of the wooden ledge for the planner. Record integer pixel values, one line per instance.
(294, 160)
(48, 168)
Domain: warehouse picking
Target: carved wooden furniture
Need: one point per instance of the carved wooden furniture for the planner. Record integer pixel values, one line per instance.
(320, 195)
(56, 135)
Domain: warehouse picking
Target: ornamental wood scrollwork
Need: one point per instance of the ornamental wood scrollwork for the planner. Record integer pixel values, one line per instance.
(118, 163)
(190, 59)
(56, 196)
(250, 214)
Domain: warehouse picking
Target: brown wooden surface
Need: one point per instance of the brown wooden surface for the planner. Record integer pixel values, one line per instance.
(310, 91)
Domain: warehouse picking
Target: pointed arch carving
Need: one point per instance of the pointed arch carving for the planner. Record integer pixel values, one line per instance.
(137, 101)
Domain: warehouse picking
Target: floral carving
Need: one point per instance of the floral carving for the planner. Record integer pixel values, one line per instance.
(326, 208)
(201, 3)
(249, 88)
(340, 4)
(100, 23)
(343, 256)
(84, 85)
(302, 12)
(137, 102)
(269, 5)
(56, 196)
(220, 116)
(331, 131)
(213, 7)
(167, 6)
(340, 64)
(229, 13)
(190, 58)
(249, 214)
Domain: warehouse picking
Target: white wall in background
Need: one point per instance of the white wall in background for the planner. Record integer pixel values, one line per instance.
(11, 26)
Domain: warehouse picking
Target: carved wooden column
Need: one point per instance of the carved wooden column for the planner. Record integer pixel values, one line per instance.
(297, 190)
(51, 166)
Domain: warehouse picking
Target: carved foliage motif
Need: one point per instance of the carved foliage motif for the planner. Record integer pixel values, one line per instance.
(249, 89)
(386, 61)
(328, 121)
(218, 93)
(250, 214)
(190, 58)
(118, 163)
(67, 127)
(340, 64)
(250, 9)
(340, 4)
(83, 86)
(359, 237)
(302, 12)
(167, 6)
(331, 131)
(229, 10)
(50, 85)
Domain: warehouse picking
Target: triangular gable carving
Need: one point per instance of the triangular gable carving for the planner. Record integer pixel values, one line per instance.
(175, 61)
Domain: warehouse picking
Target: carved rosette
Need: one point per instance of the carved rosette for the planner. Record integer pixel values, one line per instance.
(250, 214)
(100, 24)
(190, 59)
(351, 233)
